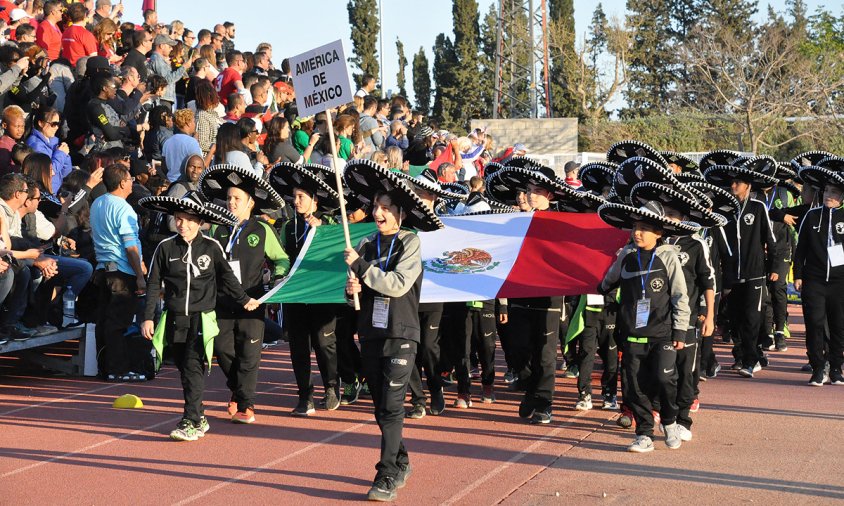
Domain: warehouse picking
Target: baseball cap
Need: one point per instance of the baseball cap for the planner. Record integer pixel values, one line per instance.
(18, 14)
(163, 39)
(519, 147)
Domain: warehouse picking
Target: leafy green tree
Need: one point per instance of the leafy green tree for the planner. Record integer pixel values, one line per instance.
(363, 19)
(564, 60)
(422, 82)
(467, 93)
(652, 57)
(445, 61)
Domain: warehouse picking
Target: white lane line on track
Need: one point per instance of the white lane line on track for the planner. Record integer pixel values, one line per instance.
(68, 397)
(513, 460)
(89, 447)
(268, 465)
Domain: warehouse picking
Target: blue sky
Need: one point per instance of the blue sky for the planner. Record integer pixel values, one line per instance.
(294, 27)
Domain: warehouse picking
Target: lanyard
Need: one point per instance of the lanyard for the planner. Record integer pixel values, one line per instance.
(233, 238)
(296, 225)
(770, 201)
(386, 264)
(829, 240)
(644, 278)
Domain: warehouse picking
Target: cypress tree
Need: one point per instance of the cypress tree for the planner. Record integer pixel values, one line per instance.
(652, 58)
(563, 60)
(445, 61)
(363, 18)
(421, 82)
(400, 79)
(467, 99)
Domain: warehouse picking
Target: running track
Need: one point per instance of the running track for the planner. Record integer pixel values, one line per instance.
(767, 440)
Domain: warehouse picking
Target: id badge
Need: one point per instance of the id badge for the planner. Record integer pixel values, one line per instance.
(836, 255)
(643, 311)
(380, 312)
(593, 299)
(235, 265)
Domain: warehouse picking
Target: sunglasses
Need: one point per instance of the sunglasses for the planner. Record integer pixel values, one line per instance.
(54, 123)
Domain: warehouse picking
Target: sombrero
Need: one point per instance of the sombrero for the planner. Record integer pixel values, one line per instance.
(456, 187)
(286, 176)
(596, 176)
(326, 173)
(784, 172)
(499, 190)
(427, 181)
(471, 207)
(685, 163)
(624, 150)
(491, 168)
(808, 158)
(827, 172)
(567, 198)
(647, 191)
(723, 202)
(723, 175)
(690, 176)
(191, 203)
(763, 164)
(366, 178)
(720, 157)
(216, 180)
(625, 217)
(637, 169)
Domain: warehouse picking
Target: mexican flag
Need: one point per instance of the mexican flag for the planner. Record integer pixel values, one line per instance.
(473, 258)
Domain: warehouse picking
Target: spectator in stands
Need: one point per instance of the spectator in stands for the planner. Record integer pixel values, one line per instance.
(181, 145)
(77, 41)
(160, 129)
(398, 135)
(367, 85)
(44, 139)
(129, 99)
(207, 52)
(235, 108)
(203, 38)
(150, 19)
(373, 135)
(25, 34)
(159, 63)
(228, 33)
(571, 169)
(14, 126)
(208, 120)
(199, 73)
(104, 120)
(419, 150)
(278, 145)
(230, 81)
(48, 35)
(189, 39)
(120, 272)
(231, 148)
(106, 44)
(177, 30)
(13, 66)
(137, 56)
(394, 158)
(104, 10)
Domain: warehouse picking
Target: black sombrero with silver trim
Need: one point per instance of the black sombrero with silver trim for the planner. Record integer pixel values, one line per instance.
(427, 181)
(694, 211)
(456, 187)
(471, 207)
(326, 173)
(624, 150)
(366, 178)
(723, 175)
(191, 203)
(491, 168)
(690, 176)
(637, 169)
(566, 198)
(684, 163)
(595, 176)
(785, 172)
(720, 157)
(215, 181)
(286, 176)
(829, 171)
(809, 158)
(625, 216)
(497, 189)
(723, 202)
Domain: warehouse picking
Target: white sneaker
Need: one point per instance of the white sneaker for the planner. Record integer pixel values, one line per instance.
(672, 436)
(685, 434)
(584, 404)
(757, 367)
(642, 444)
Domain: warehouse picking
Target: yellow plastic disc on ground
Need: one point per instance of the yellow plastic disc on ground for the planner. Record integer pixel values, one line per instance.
(128, 401)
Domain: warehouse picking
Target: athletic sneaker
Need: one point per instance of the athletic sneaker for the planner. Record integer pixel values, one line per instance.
(817, 379)
(806, 368)
(247, 416)
(713, 373)
(416, 412)
(657, 418)
(203, 427)
(625, 421)
(584, 403)
(685, 434)
(231, 409)
(487, 394)
(695, 406)
(404, 473)
(475, 374)
(747, 372)
(672, 436)
(541, 416)
(45, 330)
(447, 378)
(330, 401)
(779, 341)
(509, 377)
(463, 401)
(304, 408)
(437, 403)
(384, 489)
(185, 431)
(758, 366)
(736, 366)
(763, 361)
(573, 372)
(610, 402)
(642, 444)
(836, 378)
(526, 408)
(351, 393)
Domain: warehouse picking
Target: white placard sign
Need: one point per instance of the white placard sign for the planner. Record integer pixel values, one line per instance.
(321, 79)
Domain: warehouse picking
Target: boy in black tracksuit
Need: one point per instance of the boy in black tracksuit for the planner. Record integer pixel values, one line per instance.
(751, 239)
(478, 328)
(192, 273)
(719, 253)
(819, 276)
(430, 319)
(653, 317)
(598, 314)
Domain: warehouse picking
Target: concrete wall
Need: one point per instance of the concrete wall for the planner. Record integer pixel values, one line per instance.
(550, 141)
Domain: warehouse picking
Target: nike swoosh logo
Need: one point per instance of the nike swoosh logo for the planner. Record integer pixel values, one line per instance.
(487, 334)
(432, 327)
(668, 371)
(394, 384)
(253, 341)
(625, 274)
(175, 259)
(549, 333)
(326, 335)
(613, 347)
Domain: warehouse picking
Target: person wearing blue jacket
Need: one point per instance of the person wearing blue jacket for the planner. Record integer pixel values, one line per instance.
(43, 139)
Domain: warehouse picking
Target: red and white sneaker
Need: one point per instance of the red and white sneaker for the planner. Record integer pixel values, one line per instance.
(247, 416)
(695, 406)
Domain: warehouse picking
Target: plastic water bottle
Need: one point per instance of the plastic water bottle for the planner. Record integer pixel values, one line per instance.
(68, 307)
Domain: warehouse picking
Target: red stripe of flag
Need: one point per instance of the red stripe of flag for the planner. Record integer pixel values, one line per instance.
(563, 254)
